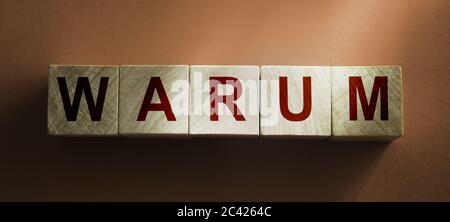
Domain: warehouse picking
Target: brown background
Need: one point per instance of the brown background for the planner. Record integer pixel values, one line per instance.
(36, 167)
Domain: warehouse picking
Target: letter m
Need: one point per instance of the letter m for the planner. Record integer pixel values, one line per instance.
(356, 87)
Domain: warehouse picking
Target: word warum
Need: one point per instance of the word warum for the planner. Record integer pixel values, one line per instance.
(310, 102)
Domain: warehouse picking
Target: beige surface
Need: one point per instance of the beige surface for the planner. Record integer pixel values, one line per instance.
(134, 81)
(343, 127)
(413, 34)
(318, 123)
(57, 123)
(247, 103)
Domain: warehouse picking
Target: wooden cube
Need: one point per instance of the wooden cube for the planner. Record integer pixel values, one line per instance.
(224, 100)
(296, 101)
(367, 103)
(154, 100)
(82, 100)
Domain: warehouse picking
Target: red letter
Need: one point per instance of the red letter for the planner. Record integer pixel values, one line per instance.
(155, 83)
(215, 99)
(379, 86)
(306, 100)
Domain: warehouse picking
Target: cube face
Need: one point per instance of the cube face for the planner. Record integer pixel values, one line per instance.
(82, 100)
(154, 100)
(224, 100)
(296, 101)
(367, 103)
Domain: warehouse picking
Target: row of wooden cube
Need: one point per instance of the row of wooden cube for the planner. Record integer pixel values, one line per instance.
(353, 102)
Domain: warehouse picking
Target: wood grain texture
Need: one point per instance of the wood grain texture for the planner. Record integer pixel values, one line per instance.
(227, 125)
(134, 81)
(57, 123)
(345, 129)
(318, 123)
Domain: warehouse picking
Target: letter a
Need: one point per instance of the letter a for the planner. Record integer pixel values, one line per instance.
(147, 105)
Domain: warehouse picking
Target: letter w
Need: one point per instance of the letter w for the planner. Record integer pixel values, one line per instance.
(95, 108)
